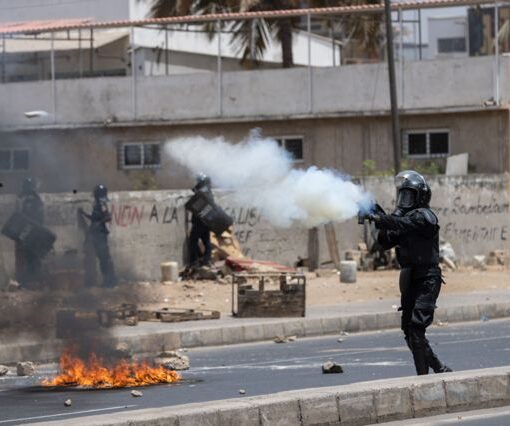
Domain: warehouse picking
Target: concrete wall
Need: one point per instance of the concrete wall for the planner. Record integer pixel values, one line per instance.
(67, 160)
(149, 227)
(349, 90)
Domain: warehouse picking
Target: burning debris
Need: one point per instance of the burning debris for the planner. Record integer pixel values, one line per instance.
(93, 373)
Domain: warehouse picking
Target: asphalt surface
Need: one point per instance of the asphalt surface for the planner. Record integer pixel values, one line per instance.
(263, 368)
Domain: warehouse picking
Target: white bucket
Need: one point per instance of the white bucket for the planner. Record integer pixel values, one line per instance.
(348, 270)
(169, 271)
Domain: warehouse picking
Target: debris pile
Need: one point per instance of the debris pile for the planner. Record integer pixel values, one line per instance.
(25, 368)
(172, 360)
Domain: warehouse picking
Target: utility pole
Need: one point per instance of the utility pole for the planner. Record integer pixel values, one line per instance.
(395, 124)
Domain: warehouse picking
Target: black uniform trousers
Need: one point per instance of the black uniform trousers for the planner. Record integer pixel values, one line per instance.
(28, 267)
(419, 292)
(102, 250)
(199, 232)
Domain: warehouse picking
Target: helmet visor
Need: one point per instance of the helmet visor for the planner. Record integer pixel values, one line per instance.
(409, 178)
(406, 198)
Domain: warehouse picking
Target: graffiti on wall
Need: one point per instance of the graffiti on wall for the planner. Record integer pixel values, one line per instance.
(475, 221)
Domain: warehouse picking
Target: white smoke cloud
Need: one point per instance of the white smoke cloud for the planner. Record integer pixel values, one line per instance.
(260, 174)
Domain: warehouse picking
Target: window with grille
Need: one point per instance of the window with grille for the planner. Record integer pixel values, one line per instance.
(140, 155)
(427, 143)
(293, 144)
(451, 45)
(14, 159)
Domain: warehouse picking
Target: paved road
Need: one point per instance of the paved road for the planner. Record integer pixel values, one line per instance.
(262, 368)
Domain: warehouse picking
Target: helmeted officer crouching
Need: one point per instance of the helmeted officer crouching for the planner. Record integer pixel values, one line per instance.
(98, 233)
(414, 230)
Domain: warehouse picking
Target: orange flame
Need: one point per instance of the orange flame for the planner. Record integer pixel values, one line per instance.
(93, 374)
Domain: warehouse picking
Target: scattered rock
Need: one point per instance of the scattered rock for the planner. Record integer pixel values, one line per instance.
(340, 340)
(3, 370)
(497, 257)
(13, 286)
(68, 402)
(447, 254)
(330, 367)
(136, 393)
(188, 286)
(344, 333)
(205, 273)
(25, 368)
(172, 360)
(242, 391)
(284, 339)
(479, 262)
(442, 323)
(484, 318)
(131, 321)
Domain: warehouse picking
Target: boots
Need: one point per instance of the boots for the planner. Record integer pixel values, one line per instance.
(421, 361)
(436, 364)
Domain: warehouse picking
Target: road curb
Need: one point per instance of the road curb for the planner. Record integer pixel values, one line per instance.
(356, 404)
(211, 334)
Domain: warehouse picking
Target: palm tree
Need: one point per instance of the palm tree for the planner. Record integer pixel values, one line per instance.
(252, 36)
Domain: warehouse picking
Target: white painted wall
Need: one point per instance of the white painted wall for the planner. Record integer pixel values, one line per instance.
(355, 89)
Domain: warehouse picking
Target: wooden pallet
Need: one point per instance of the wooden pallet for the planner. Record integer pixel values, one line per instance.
(168, 314)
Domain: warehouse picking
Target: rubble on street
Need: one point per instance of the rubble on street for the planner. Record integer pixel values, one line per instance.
(330, 367)
(172, 360)
(25, 368)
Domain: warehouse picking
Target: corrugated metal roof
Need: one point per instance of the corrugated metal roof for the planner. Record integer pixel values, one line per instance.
(101, 38)
(34, 27)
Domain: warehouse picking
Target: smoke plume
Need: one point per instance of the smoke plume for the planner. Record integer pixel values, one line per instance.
(260, 173)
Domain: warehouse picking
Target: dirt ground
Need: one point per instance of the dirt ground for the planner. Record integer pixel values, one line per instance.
(323, 288)
(326, 288)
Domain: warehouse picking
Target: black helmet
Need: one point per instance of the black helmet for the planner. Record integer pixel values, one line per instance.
(203, 182)
(100, 192)
(412, 190)
(28, 186)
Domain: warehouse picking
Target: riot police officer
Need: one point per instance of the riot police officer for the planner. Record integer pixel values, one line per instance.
(98, 233)
(28, 262)
(199, 230)
(414, 230)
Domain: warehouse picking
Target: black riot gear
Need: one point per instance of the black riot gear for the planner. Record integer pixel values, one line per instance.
(199, 230)
(28, 262)
(412, 191)
(414, 230)
(97, 235)
(28, 186)
(203, 183)
(100, 192)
